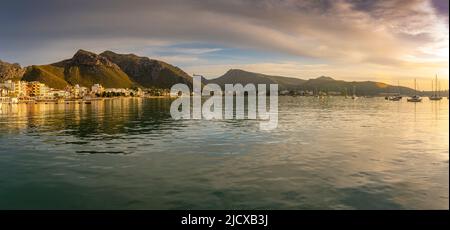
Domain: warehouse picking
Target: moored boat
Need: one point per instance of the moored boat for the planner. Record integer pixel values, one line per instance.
(415, 98)
(436, 95)
(395, 98)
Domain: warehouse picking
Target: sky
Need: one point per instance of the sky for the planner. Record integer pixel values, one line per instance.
(388, 41)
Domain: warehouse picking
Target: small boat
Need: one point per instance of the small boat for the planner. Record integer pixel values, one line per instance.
(395, 98)
(415, 98)
(436, 96)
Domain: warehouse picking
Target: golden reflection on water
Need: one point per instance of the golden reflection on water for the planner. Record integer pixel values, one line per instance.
(22, 116)
(328, 153)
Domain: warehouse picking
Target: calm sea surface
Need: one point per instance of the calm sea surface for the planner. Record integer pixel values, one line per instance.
(331, 153)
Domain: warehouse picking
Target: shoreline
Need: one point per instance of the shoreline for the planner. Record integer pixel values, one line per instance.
(78, 101)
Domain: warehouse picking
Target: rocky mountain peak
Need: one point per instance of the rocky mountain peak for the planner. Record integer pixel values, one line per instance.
(10, 71)
(83, 57)
(148, 72)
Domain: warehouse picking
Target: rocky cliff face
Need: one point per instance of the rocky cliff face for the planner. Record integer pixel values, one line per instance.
(84, 68)
(148, 72)
(86, 58)
(10, 71)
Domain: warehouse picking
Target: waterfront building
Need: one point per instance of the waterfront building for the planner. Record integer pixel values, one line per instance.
(139, 92)
(78, 91)
(75, 91)
(126, 92)
(97, 89)
(57, 94)
(15, 88)
(20, 88)
(37, 89)
(7, 85)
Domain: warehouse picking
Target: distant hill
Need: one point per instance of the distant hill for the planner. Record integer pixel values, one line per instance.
(323, 83)
(234, 76)
(328, 84)
(148, 72)
(10, 71)
(84, 68)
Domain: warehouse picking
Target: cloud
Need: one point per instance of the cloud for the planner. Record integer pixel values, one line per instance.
(344, 32)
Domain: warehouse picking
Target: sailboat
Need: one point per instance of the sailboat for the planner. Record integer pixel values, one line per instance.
(436, 96)
(415, 98)
(398, 97)
(354, 97)
(395, 98)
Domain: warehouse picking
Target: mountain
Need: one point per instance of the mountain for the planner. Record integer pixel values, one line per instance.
(327, 84)
(234, 76)
(10, 71)
(148, 72)
(84, 68)
(110, 69)
(323, 83)
(114, 70)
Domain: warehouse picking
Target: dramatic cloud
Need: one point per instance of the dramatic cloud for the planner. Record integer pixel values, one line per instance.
(400, 34)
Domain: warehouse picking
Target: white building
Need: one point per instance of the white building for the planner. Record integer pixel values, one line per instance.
(16, 88)
(139, 92)
(56, 93)
(7, 84)
(126, 92)
(78, 91)
(97, 89)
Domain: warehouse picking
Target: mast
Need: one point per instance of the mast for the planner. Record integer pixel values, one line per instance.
(432, 88)
(415, 85)
(436, 87)
(439, 91)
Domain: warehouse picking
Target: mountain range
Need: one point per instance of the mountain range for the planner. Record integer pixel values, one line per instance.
(114, 70)
(110, 69)
(234, 76)
(323, 83)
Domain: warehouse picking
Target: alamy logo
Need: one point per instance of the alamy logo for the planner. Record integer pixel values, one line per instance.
(228, 104)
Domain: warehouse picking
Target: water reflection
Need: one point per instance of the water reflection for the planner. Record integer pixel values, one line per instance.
(327, 153)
